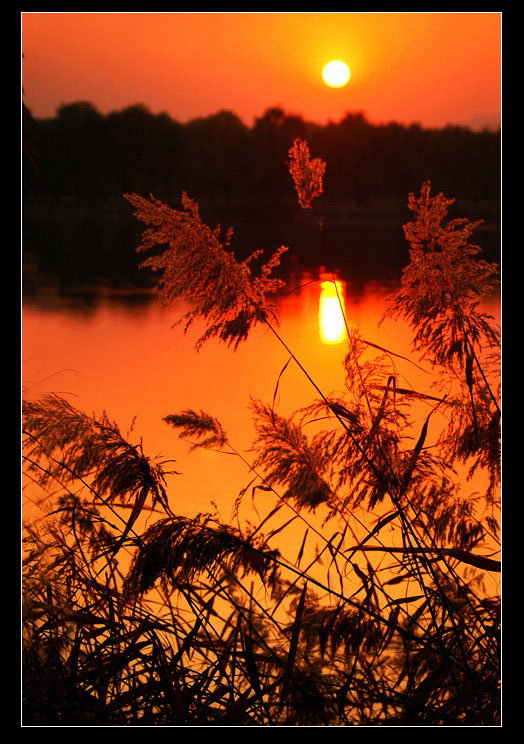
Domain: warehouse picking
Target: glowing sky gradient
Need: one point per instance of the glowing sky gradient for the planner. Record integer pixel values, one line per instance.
(431, 68)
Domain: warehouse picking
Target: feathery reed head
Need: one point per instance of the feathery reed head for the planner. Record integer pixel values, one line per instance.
(289, 458)
(198, 267)
(204, 427)
(444, 283)
(307, 173)
(177, 550)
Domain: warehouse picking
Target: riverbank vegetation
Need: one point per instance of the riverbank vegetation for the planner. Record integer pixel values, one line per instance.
(382, 609)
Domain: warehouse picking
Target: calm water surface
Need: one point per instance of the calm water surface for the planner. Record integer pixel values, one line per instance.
(127, 359)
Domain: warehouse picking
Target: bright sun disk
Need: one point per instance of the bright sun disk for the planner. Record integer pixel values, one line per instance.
(336, 74)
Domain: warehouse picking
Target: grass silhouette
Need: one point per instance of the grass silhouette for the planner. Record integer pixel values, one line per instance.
(382, 616)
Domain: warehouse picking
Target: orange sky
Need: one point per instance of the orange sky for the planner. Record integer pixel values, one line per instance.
(432, 68)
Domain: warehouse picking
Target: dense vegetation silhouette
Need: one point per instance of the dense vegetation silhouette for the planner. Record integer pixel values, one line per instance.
(384, 612)
(86, 160)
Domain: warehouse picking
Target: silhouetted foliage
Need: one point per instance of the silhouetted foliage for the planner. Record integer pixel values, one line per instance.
(198, 267)
(384, 615)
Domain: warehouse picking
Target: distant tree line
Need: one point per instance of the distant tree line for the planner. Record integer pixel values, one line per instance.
(86, 154)
(78, 164)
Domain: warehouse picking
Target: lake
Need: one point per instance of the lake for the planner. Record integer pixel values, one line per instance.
(124, 357)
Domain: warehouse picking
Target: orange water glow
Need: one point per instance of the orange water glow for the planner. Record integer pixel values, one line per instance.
(130, 361)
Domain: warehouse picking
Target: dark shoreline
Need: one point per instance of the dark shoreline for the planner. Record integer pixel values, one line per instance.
(68, 244)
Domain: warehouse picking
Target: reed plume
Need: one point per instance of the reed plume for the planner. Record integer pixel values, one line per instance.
(307, 173)
(198, 267)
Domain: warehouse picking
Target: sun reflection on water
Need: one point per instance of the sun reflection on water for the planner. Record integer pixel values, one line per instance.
(330, 312)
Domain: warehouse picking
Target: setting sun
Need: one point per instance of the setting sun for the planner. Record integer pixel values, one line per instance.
(336, 74)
